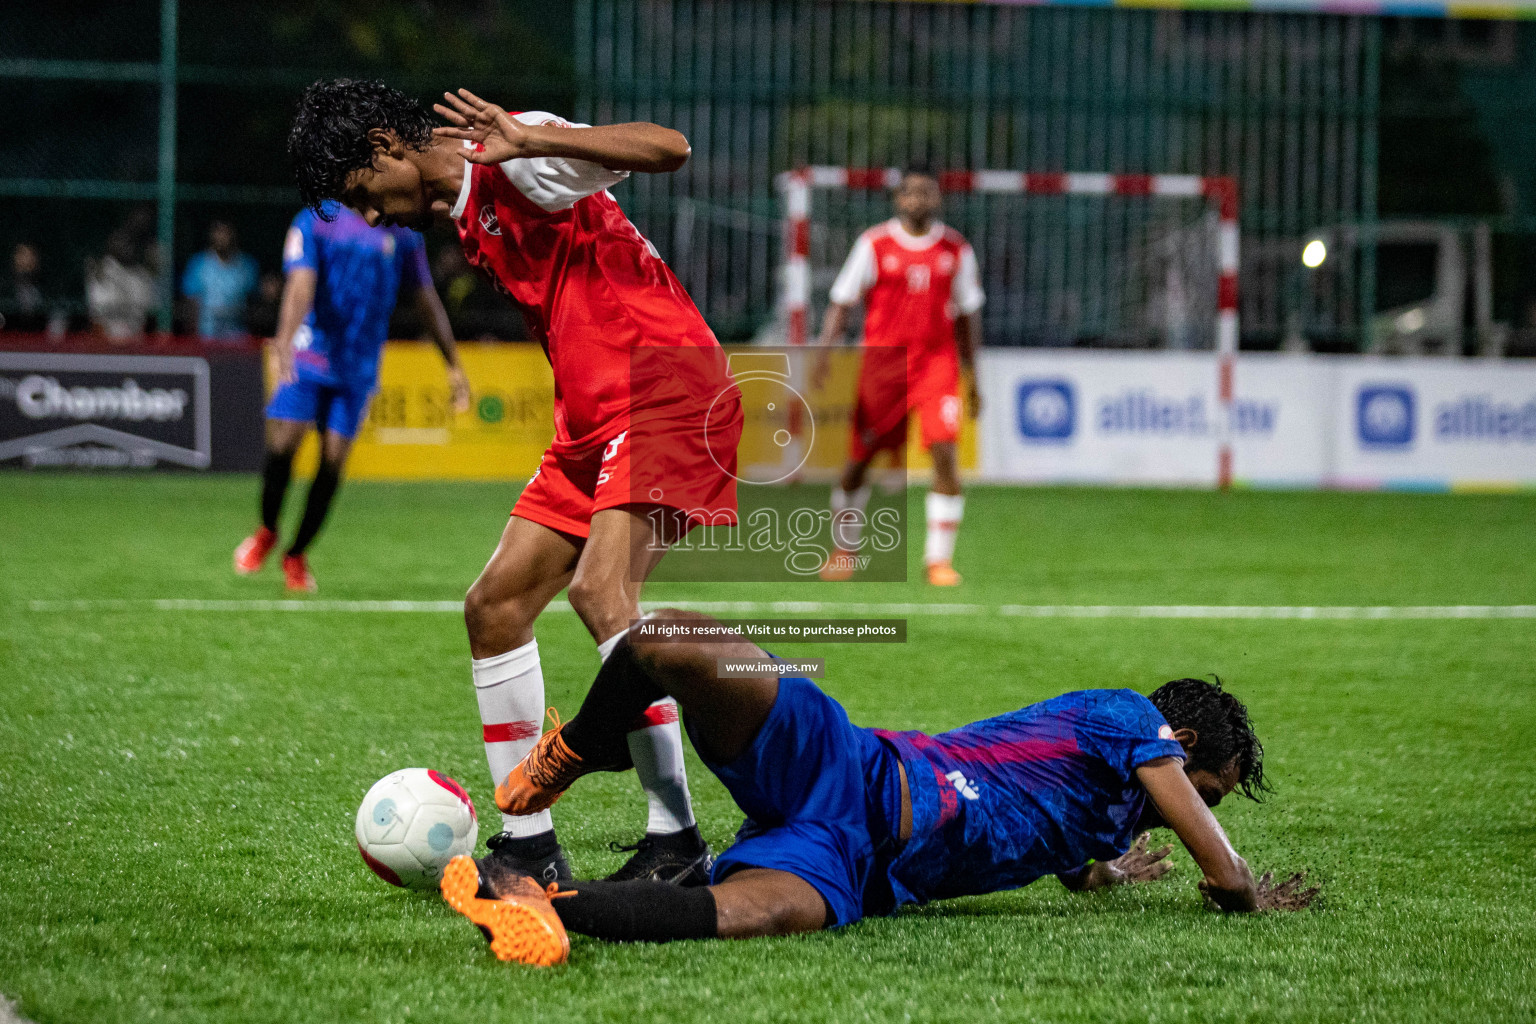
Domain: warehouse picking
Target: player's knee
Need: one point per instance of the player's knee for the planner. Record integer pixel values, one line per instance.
(490, 610)
(585, 595)
(671, 660)
(602, 604)
(770, 913)
(664, 660)
(477, 607)
(946, 469)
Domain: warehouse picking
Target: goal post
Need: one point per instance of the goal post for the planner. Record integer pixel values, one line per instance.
(797, 187)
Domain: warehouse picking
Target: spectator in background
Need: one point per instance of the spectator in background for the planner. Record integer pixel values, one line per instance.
(119, 288)
(261, 315)
(472, 303)
(22, 306)
(218, 281)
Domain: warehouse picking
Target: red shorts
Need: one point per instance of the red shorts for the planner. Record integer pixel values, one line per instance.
(873, 432)
(671, 462)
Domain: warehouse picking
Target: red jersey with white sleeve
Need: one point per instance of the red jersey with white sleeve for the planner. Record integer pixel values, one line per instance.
(645, 407)
(591, 288)
(913, 287)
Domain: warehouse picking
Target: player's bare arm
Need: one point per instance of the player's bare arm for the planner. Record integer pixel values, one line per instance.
(430, 307)
(967, 342)
(1227, 880)
(833, 326)
(636, 146)
(298, 299)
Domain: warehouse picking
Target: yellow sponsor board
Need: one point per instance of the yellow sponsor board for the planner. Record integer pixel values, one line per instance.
(412, 432)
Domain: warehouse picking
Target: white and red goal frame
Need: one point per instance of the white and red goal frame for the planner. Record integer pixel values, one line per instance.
(796, 187)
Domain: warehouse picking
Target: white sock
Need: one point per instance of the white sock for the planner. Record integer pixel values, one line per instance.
(656, 747)
(510, 690)
(848, 516)
(944, 514)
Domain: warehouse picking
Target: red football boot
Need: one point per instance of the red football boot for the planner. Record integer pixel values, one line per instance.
(296, 571)
(252, 553)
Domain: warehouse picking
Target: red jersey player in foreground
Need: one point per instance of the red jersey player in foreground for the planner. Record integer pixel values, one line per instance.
(845, 822)
(638, 374)
(922, 292)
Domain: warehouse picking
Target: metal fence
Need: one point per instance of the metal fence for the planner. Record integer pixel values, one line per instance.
(1284, 103)
(104, 127)
(154, 117)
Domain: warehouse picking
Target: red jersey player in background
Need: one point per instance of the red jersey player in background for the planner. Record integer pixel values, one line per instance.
(630, 468)
(921, 291)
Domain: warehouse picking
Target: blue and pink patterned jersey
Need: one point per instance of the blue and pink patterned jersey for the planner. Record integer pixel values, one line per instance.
(359, 273)
(998, 803)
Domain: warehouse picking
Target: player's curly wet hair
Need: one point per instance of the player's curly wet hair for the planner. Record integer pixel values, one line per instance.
(1221, 722)
(329, 137)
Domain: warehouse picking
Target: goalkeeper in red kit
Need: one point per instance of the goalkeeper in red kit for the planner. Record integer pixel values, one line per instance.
(921, 291)
(638, 374)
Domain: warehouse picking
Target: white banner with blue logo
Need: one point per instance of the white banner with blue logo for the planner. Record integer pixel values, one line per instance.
(1150, 418)
(1435, 423)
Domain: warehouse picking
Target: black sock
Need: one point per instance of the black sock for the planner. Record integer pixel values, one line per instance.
(640, 910)
(274, 484)
(599, 732)
(316, 505)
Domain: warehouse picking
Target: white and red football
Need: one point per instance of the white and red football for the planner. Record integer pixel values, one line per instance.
(412, 823)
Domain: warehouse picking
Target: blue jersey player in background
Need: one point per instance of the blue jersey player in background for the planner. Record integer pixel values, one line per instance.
(844, 822)
(343, 278)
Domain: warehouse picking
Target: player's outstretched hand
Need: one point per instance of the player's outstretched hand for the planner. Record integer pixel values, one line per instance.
(820, 369)
(475, 120)
(1288, 895)
(1138, 864)
(458, 389)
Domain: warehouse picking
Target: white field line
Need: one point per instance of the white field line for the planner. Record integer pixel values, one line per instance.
(842, 608)
(8, 1014)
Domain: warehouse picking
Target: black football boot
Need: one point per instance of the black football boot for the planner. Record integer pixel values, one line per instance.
(681, 858)
(540, 856)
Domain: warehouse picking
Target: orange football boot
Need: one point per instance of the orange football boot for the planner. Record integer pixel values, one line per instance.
(546, 772)
(253, 551)
(519, 922)
(942, 574)
(838, 567)
(296, 571)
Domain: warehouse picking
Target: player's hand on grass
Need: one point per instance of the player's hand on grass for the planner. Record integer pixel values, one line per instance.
(458, 389)
(1138, 864)
(475, 120)
(1288, 895)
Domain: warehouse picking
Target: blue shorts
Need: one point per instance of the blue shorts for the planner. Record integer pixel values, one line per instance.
(818, 792)
(340, 410)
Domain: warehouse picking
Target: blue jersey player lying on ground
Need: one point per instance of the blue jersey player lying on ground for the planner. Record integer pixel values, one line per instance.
(845, 822)
(343, 278)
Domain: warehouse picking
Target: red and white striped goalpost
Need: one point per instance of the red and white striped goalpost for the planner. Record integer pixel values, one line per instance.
(796, 187)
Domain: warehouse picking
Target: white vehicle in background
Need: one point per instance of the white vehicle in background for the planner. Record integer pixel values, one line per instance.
(1434, 285)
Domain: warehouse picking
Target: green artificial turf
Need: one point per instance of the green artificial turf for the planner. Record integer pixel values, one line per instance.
(177, 787)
